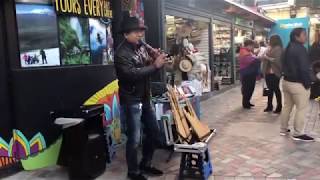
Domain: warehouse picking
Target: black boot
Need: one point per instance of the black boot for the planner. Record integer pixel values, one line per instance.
(278, 109)
(133, 176)
(269, 109)
(150, 170)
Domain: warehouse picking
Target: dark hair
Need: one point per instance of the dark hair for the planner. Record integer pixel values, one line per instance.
(293, 38)
(249, 42)
(275, 40)
(296, 33)
(262, 44)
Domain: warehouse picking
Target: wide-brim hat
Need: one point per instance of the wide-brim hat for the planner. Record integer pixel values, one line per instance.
(185, 65)
(131, 24)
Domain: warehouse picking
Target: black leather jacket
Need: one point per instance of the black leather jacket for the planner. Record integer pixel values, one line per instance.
(133, 73)
(296, 65)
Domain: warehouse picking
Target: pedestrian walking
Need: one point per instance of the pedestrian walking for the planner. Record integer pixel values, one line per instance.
(249, 69)
(271, 68)
(296, 85)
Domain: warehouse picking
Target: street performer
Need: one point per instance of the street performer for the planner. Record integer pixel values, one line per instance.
(135, 62)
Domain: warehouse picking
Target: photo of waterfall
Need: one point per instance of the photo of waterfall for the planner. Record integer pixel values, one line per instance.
(100, 42)
(38, 35)
(74, 40)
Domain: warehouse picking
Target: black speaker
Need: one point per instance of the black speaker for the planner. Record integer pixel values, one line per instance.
(84, 149)
(91, 160)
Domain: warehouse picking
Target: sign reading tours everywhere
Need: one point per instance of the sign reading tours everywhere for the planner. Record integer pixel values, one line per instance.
(87, 8)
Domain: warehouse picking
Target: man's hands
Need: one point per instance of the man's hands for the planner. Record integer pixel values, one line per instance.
(160, 60)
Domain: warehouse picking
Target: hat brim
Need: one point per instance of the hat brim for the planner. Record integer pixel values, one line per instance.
(143, 28)
(182, 66)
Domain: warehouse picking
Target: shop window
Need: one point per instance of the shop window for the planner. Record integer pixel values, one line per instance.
(48, 39)
(222, 68)
(187, 40)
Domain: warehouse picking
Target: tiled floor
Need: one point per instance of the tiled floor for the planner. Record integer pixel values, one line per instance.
(247, 146)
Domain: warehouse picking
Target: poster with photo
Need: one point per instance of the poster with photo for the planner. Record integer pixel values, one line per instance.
(74, 40)
(38, 35)
(101, 42)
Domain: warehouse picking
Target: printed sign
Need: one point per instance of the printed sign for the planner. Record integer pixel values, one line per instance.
(87, 8)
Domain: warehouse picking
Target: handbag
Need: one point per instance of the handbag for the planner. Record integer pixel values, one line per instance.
(266, 90)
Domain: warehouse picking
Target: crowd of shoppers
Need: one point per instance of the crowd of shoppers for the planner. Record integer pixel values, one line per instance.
(293, 64)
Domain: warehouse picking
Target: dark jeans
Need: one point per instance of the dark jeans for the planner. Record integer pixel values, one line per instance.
(248, 85)
(273, 82)
(135, 115)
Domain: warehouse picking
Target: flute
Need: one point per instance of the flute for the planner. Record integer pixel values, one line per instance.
(153, 52)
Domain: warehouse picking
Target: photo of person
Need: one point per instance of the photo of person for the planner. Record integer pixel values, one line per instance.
(110, 48)
(98, 40)
(74, 40)
(101, 42)
(38, 35)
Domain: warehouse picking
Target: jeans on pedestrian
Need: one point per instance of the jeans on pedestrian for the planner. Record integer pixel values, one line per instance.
(294, 95)
(136, 116)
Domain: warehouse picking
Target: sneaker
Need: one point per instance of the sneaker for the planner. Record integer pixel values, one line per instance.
(252, 105)
(304, 138)
(285, 133)
(152, 171)
(133, 176)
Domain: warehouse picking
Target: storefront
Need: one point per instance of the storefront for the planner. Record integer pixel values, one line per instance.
(248, 24)
(55, 57)
(209, 34)
(194, 32)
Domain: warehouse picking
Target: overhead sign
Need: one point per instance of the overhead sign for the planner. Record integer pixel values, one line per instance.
(291, 25)
(87, 8)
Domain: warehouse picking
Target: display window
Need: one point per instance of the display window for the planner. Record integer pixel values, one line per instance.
(187, 41)
(50, 39)
(222, 66)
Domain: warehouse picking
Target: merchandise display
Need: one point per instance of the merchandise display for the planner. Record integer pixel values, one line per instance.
(222, 53)
(187, 42)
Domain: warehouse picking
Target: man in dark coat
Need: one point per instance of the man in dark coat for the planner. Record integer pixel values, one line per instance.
(135, 63)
